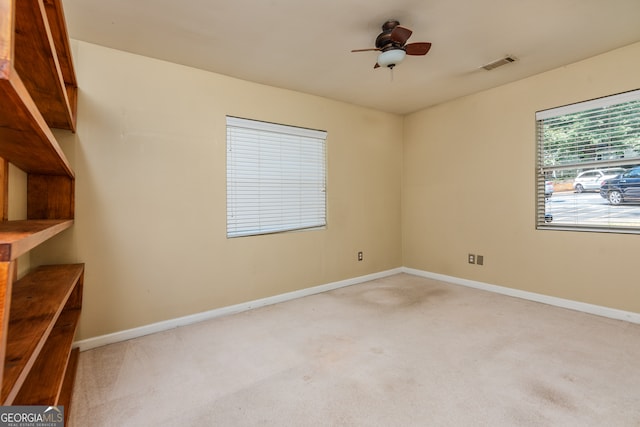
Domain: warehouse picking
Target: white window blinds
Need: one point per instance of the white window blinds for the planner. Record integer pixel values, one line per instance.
(276, 178)
(580, 147)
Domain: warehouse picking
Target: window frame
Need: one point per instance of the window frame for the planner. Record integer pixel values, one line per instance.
(276, 178)
(585, 155)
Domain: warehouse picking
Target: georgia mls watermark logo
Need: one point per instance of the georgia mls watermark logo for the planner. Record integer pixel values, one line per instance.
(31, 416)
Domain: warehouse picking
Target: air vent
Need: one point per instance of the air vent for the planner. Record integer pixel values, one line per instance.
(500, 62)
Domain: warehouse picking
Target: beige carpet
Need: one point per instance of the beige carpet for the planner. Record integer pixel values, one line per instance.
(399, 351)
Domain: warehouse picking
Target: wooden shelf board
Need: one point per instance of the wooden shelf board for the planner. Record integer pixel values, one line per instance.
(38, 63)
(58, 26)
(27, 141)
(37, 303)
(67, 386)
(19, 237)
(44, 383)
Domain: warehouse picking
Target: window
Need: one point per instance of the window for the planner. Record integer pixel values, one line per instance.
(588, 165)
(275, 178)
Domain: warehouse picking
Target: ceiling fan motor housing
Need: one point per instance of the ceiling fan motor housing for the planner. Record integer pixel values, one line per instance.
(383, 41)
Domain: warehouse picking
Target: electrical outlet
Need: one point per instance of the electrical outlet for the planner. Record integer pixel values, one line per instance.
(472, 259)
(480, 260)
(360, 256)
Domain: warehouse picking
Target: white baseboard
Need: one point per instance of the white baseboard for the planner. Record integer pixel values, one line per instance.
(598, 310)
(128, 334)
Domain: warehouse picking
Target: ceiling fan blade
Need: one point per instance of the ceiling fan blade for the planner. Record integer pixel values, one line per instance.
(417, 48)
(364, 50)
(400, 34)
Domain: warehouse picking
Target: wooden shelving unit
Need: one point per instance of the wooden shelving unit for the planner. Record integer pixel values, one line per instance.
(39, 312)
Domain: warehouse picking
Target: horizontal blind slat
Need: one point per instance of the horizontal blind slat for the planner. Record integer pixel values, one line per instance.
(598, 134)
(275, 178)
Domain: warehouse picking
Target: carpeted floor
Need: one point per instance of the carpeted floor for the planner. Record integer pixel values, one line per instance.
(398, 351)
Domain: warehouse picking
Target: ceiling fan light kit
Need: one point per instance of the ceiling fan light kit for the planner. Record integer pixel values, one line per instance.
(391, 58)
(391, 43)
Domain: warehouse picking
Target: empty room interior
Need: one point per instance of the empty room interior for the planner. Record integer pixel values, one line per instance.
(438, 280)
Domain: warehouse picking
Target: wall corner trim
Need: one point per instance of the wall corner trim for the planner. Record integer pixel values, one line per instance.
(597, 310)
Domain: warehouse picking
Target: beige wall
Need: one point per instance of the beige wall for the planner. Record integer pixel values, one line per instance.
(468, 187)
(149, 157)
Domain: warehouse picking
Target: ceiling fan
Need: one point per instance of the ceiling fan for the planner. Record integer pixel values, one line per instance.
(391, 43)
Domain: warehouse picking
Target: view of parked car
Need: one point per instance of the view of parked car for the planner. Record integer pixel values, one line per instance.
(625, 187)
(548, 189)
(591, 180)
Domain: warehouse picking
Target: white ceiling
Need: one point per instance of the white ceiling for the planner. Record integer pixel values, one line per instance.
(305, 45)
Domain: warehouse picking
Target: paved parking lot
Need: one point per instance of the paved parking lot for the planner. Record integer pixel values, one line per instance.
(591, 209)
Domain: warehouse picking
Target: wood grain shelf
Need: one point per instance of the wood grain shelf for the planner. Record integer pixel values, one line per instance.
(38, 303)
(19, 237)
(58, 26)
(45, 381)
(66, 393)
(33, 92)
(27, 141)
(37, 60)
